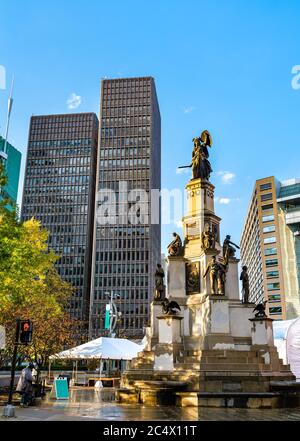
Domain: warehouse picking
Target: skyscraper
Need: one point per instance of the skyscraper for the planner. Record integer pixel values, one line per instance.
(59, 190)
(270, 246)
(125, 251)
(12, 161)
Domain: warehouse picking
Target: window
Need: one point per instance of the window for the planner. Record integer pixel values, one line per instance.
(269, 229)
(273, 286)
(271, 274)
(266, 186)
(270, 251)
(271, 239)
(267, 207)
(266, 197)
(268, 218)
(271, 262)
(274, 298)
(275, 310)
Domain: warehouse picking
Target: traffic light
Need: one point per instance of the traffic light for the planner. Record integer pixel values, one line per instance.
(25, 335)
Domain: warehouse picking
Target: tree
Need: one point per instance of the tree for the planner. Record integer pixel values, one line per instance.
(30, 287)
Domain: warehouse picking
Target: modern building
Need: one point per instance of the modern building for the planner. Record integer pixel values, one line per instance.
(11, 158)
(126, 249)
(270, 246)
(59, 191)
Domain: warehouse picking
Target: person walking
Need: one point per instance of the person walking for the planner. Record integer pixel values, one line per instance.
(24, 386)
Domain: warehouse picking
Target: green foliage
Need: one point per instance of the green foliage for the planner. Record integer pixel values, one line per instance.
(30, 287)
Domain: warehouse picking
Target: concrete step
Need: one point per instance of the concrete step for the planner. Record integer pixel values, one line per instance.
(225, 367)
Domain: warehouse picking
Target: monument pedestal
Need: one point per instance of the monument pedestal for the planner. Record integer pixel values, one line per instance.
(169, 344)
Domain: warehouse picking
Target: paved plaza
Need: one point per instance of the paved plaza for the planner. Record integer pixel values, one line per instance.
(95, 405)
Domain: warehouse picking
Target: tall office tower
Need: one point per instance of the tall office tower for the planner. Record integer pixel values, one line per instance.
(126, 252)
(11, 158)
(59, 190)
(270, 246)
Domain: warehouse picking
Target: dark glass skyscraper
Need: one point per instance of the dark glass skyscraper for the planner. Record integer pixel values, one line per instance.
(59, 190)
(125, 252)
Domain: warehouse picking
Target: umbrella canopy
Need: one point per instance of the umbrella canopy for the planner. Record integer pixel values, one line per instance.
(287, 340)
(103, 347)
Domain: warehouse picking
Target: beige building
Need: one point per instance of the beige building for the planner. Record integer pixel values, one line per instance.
(270, 246)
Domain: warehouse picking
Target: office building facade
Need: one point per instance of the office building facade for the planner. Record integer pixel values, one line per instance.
(11, 158)
(59, 191)
(126, 251)
(270, 246)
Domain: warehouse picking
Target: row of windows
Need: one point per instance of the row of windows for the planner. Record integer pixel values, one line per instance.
(119, 268)
(63, 219)
(117, 256)
(266, 197)
(130, 294)
(37, 170)
(268, 218)
(266, 186)
(58, 180)
(273, 286)
(271, 239)
(86, 151)
(270, 251)
(60, 143)
(127, 151)
(61, 190)
(126, 121)
(125, 131)
(125, 162)
(125, 142)
(109, 232)
(123, 111)
(269, 229)
(124, 174)
(129, 281)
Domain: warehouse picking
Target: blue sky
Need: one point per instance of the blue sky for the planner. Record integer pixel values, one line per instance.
(221, 66)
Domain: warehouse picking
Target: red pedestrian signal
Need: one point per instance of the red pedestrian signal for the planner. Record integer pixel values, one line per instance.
(25, 335)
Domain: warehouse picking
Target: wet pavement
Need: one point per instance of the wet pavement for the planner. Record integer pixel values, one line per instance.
(98, 405)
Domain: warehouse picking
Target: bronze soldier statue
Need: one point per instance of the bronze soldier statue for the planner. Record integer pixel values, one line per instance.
(159, 282)
(245, 284)
(175, 247)
(228, 249)
(217, 275)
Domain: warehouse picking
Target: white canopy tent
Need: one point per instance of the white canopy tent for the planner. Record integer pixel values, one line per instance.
(287, 341)
(104, 347)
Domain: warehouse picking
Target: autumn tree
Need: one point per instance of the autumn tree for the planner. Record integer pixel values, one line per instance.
(30, 287)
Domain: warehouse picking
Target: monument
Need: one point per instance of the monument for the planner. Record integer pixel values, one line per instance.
(205, 345)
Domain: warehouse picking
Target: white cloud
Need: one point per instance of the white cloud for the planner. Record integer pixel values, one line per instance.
(179, 224)
(74, 101)
(226, 176)
(188, 109)
(181, 171)
(224, 201)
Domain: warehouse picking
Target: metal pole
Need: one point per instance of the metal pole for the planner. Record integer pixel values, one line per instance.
(10, 103)
(13, 366)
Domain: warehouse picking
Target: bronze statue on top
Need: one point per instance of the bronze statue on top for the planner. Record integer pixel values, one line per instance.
(175, 247)
(200, 165)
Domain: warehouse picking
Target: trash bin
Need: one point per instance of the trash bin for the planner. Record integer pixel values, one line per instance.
(67, 376)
